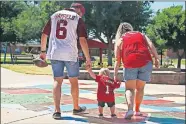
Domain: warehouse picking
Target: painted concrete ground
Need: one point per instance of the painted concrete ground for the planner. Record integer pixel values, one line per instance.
(159, 108)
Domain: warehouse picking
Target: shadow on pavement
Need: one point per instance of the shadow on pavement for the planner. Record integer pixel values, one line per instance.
(73, 119)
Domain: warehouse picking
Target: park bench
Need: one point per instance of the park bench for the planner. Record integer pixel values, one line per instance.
(23, 57)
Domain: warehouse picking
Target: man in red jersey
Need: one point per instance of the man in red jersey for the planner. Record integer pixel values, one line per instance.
(105, 92)
(132, 47)
(65, 28)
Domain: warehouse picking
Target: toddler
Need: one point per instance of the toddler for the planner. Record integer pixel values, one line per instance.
(105, 91)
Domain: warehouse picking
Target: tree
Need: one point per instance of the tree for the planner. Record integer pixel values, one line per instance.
(103, 18)
(169, 28)
(9, 11)
(153, 34)
(29, 23)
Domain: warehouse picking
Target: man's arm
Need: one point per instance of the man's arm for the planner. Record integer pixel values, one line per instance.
(44, 36)
(82, 34)
(84, 46)
(43, 41)
(117, 53)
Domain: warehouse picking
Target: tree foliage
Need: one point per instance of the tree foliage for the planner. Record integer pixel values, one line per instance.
(23, 21)
(168, 29)
(9, 11)
(103, 18)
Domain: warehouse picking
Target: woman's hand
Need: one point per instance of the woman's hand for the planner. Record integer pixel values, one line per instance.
(157, 63)
(116, 78)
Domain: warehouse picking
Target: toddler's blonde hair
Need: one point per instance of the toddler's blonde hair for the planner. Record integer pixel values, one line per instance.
(104, 71)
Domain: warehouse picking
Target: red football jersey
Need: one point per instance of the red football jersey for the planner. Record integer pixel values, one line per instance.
(106, 86)
(135, 51)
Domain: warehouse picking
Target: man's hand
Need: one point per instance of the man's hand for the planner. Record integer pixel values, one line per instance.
(157, 63)
(43, 56)
(89, 69)
(88, 64)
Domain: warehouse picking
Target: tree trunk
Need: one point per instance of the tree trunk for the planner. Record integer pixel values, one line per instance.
(179, 62)
(179, 58)
(109, 51)
(161, 57)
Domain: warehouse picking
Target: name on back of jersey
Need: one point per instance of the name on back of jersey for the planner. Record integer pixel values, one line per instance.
(65, 16)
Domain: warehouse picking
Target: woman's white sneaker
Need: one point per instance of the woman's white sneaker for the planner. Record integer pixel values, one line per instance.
(129, 114)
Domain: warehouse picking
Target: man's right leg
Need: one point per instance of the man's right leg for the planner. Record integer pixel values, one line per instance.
(57, 68)
(73, 73)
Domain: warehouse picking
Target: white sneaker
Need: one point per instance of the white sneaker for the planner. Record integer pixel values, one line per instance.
(129, 114)
(137, 114)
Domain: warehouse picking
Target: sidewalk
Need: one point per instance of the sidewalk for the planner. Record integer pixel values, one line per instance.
(28, 99)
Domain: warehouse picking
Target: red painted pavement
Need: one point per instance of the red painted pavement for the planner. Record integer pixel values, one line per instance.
(26, 91)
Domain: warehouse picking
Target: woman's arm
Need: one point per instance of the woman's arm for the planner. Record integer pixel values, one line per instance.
(154, 51)
(152, 47)
(117, 53)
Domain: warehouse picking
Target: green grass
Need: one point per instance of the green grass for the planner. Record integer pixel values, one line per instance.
(95, 64)
(32, 69)
(8, 60)
(2, 54)
(175, 61)
(28, 69)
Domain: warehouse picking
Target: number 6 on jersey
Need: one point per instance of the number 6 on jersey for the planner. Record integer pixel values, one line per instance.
(61, 31)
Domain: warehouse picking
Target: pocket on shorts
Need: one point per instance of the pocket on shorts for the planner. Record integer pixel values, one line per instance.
(71, 63)
(53, 61)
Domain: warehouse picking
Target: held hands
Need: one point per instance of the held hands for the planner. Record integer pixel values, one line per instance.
(88, 65)
(118, 82)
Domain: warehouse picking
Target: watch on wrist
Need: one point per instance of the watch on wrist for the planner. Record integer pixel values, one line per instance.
(43, 51)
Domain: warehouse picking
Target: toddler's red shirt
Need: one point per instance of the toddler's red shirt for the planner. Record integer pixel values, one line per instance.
(106, 86)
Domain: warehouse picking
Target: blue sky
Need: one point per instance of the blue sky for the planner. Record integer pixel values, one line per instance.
(161, 5)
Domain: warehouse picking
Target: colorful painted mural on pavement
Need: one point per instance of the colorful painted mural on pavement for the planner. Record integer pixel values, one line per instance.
(162, 108)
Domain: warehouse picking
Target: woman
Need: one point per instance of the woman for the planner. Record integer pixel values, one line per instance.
(133, 48)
